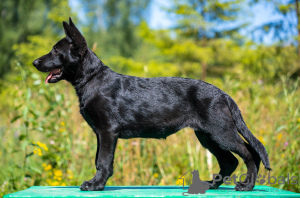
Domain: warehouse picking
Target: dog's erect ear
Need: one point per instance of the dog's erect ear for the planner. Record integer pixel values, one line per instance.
(71, 23)
(67, 30)
(73, 34)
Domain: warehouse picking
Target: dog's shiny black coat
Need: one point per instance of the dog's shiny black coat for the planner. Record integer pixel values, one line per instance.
(120, 106)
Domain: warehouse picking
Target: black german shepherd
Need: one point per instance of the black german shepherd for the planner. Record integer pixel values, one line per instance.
(120, 106)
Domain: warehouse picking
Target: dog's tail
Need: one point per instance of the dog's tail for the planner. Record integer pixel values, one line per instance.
(246, 133)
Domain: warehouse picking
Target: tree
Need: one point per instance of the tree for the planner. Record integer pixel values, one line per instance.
(22, 19)
(202, 19)
(18, 20)
(200, 24)
(113, 24)
(285, 31)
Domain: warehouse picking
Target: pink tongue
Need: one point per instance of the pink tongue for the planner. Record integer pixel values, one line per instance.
(48, 77)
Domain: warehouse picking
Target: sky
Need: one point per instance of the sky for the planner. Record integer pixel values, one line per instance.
(259, 14)
(262, 13)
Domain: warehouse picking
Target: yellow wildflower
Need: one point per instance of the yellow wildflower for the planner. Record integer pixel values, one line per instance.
(48, 167)
(62, 123)
(39, 144)
(61, 130)
(279, 136)
(39, 152)
(55, 183)
(58, 173)
(179, 182)
(282, 155)
(42, 145)
(45, 147)
(298, 120)
(64, 184)
(155, 175)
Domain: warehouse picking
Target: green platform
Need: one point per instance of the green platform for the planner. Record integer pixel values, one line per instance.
(146, 191)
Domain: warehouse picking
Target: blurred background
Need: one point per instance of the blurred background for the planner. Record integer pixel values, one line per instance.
(248, 48)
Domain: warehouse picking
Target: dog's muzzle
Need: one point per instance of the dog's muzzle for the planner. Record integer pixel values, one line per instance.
(36, 62)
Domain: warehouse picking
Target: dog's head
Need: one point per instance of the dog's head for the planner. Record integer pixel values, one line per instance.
(63, 60)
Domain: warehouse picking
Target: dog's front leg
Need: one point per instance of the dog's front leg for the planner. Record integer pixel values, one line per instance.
(104, 161)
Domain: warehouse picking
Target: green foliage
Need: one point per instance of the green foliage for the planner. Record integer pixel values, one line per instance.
(60, 11)
(18, 20)
(222, 55)
(22, 19)
(149, 69)
(116, 22)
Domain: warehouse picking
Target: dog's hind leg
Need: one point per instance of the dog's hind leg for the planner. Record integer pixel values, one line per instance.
(256, 160)
(227, 161)
(228, 139)
(220, 126)
(249, 182)
(221, 146)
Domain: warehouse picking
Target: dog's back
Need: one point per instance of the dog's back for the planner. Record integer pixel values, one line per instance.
(148, 107)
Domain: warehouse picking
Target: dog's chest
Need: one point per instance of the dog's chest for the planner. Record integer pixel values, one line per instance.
(95, 112)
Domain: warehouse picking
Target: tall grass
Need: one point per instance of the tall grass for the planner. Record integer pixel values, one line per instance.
(45, 141)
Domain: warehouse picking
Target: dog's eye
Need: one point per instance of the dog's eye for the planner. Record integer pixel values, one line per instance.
(55, 50)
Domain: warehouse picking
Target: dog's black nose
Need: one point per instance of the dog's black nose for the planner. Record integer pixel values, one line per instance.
(36, 62)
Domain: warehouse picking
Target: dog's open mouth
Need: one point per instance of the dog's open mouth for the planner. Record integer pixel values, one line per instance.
(53, 76)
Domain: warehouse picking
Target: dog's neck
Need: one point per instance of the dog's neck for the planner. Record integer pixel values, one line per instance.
(90, 67)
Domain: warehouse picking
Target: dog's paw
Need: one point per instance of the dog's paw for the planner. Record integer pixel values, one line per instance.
(211, 185)
(239, 185)
(91, 186)
(243, 187)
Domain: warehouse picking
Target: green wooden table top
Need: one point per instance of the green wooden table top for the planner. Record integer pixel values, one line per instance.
(146, 191)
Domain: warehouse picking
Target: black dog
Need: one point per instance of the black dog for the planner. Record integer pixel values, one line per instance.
(120, 106)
